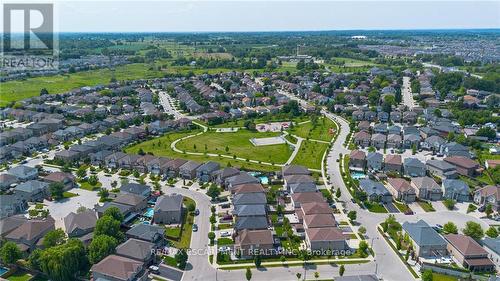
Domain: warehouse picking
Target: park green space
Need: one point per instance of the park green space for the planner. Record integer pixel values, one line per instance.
(318, 131)
(160, 146)
(310, 154)
(237, 144)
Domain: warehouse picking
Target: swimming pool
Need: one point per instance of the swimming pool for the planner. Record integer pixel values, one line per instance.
(3, 270)
(358, 175)
(263, 179)
(149, 213)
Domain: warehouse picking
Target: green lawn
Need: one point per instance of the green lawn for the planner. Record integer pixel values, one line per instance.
(160, 146)
(324, 130)
(224, 241)
(20, 276)
(173, 232)
(310, 154)
(224, 226)
(426, 206)
(442, 277)
(238, 144)
(68, 194)
(375, 207)
(403, 208)
(87, 186)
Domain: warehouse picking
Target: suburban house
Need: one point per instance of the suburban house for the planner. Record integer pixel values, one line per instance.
(188, 170)
(326, 239)
(290, 170)
(378, 140)
(222, 175)
(428, 243)
(33, 190)
(374, 161)
(441, 169)
(67, 179)
(426, 188)
(147, 232)
(249, 199)
(80, 223)
(241, 178)
(11, 204)
(117, 268)
(393, 163)
(357, 160)
(137, 202)
(465, 166)
(249, 210)
(468, 253)
(394, 141)
(172, 167)
(168, 209)
(488, 195)
(300, 183)
(456, 189)
(248, 188)
(251, 223)
(455, 149)
(27, 235)
(137, 249)
(205, 172)
(24, 173)
(375, 191)
(7, 180)
(136, 188)
(362, 139)
(492, 246)
(250, 242)
(414, 167)
(401, 190)
(306, 197)
(125, 210)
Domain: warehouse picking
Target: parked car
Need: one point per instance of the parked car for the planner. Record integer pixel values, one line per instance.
(196, 212)
(195, 227)
(225, 234)
(154, 269)
(224, 249)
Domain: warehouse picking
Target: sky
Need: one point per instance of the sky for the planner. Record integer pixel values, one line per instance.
(207, 16)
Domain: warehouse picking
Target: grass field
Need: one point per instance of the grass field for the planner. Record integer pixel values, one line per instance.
(426, 206)
(160, 146)
(442, 277)
(237, 144)
(320, 131)
(310, 154)
(20, 276)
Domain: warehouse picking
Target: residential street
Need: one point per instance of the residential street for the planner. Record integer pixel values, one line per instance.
(407, 94)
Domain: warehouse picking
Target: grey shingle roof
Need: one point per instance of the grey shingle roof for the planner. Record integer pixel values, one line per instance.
(171, 202)
(257, 222)
(249, 199)
(423, 234)
(250, 210)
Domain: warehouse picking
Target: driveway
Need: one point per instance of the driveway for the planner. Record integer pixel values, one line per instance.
(59, 210)
(391, 208)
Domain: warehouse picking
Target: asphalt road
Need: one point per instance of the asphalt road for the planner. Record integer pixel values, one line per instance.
(407, 94)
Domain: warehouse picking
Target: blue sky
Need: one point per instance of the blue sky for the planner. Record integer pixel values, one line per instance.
(205, 16)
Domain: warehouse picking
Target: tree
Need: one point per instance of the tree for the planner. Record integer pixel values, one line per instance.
(352, 215)
(450, 228)
(492, 232)
(34, 259)
(338, 193)
(43, 92)
(488, 210)
(427, 275)
(213, 191)
(93, 180)
(81, 172)
(104, 194)
(54, 238)
(362, 230)
(181, 258)
(64, 261)
(248, 274)
(257, 260)
(362, 249)
(298, 275)
(100, 247)
(211, 236)
(10, 253)
(474, 230)
(56, 190)
(191, 207)
(107, 225)
(316, 275)
(449, 203)
(114, 212)
(341, 270)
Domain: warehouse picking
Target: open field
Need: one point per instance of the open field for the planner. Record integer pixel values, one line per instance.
(319, 131)
(349, 62)
(160, 146)
(237, 144)
(310, 154)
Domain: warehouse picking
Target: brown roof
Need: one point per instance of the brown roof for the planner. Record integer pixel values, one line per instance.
(307, 197)
(358, 154)
(362, 136)
(492, 163)
(176, 163)
(129, 199)
(315, 208)
(399, 184)
(479, 262)
(248, 188)
(119, 267)
(325, 234)
(490, 190)
(465, 244)
(319, 220)
(31, 229)
(462, 161)
(59, 177)
(253, 237)
(394, 159)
